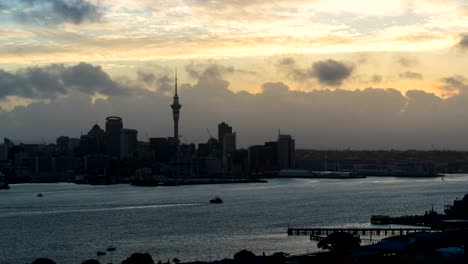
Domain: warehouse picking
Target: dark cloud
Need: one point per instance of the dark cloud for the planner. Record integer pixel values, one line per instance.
(213, 70)
(371, 118)
(162, 83)
(275, 88)
(411, 75)
(454, 85)
(328, 72)
(57, 79)
(463, 43)
(286, 62)
(376, 78)
(58, 11)
(331, 72)
(407, 61)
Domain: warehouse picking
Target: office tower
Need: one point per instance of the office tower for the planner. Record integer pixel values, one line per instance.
(286, 152)
(114, 126)
(228, 146)
(223, 129)
(62, 144)
(128, 143)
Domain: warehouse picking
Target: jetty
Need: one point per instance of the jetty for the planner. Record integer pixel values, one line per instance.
(319, 232)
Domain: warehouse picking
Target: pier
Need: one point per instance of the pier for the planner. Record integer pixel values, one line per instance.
(319, 232)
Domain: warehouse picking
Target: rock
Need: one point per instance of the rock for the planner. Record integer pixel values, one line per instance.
(244, 257)
(43, 261)
(139, 258)
(91, 261)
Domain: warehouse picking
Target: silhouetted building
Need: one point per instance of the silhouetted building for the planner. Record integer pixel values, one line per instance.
(129, 143)
(88, 145)
(100, 135)
(62, 144)
(223, 129)
(286, 152)
(203, 150)
(3, 152)
(163, 150)
(73, 144)
(239, 163)
(229, 146)
(263, 159)
(5, 149)
(114, 126)
(176, 106)
(96, 164)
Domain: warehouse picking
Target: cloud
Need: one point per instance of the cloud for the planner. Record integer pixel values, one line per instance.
(331, 72)
(454, 85)
(463, 43)
(370, 118)
(57, 79)
(411, 75)
(213, 70)
(57, 11)
(407, 61)
(376, 78)
(327, 72)
(159, 82)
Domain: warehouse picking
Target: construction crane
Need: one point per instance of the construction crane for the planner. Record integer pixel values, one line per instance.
(185, 140)
(209, 134)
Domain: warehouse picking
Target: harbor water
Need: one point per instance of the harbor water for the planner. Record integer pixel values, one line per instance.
(70, 223)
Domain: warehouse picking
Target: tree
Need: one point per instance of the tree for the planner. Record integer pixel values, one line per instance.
(339, 242)
(176, 260)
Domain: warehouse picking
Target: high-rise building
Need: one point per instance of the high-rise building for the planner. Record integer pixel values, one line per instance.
(176, 106)
(223, 129)
(114, 126)
(286, 152)
(62, 144)
(128, 143)
(229, 146)
(100, 136)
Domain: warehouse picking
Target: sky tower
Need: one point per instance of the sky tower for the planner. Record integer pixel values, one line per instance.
(175, 112)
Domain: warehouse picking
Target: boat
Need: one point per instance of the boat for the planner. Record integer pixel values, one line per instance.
(111, 248)
(216, 200)
(39, 195)
(101, 253)
(4, 186)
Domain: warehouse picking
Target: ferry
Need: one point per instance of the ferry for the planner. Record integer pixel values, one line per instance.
(216, 200)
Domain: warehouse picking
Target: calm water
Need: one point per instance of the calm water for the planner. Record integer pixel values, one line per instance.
(71, 222)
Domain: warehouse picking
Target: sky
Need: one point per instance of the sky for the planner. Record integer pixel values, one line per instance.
(363, 74)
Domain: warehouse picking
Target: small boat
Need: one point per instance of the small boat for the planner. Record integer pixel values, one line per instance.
(101, 253)
(39, 195)
(111, 248)
(216, 200)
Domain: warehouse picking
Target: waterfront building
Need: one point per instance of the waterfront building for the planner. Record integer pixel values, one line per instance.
(286, 152)
(114, 126)
(100, 135)
(128, 143)
(73, 143)
(263, 159)
(176, 106)
(228, 146)
(223, 129)
(62, 144)
(162, 149)
(239, 163)
(3, 152)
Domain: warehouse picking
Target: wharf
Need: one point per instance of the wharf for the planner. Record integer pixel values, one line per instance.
(318, 232)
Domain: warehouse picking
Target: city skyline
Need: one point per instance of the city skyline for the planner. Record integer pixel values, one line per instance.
(336, 76)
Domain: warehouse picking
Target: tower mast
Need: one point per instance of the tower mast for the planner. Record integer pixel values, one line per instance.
(176, 106)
